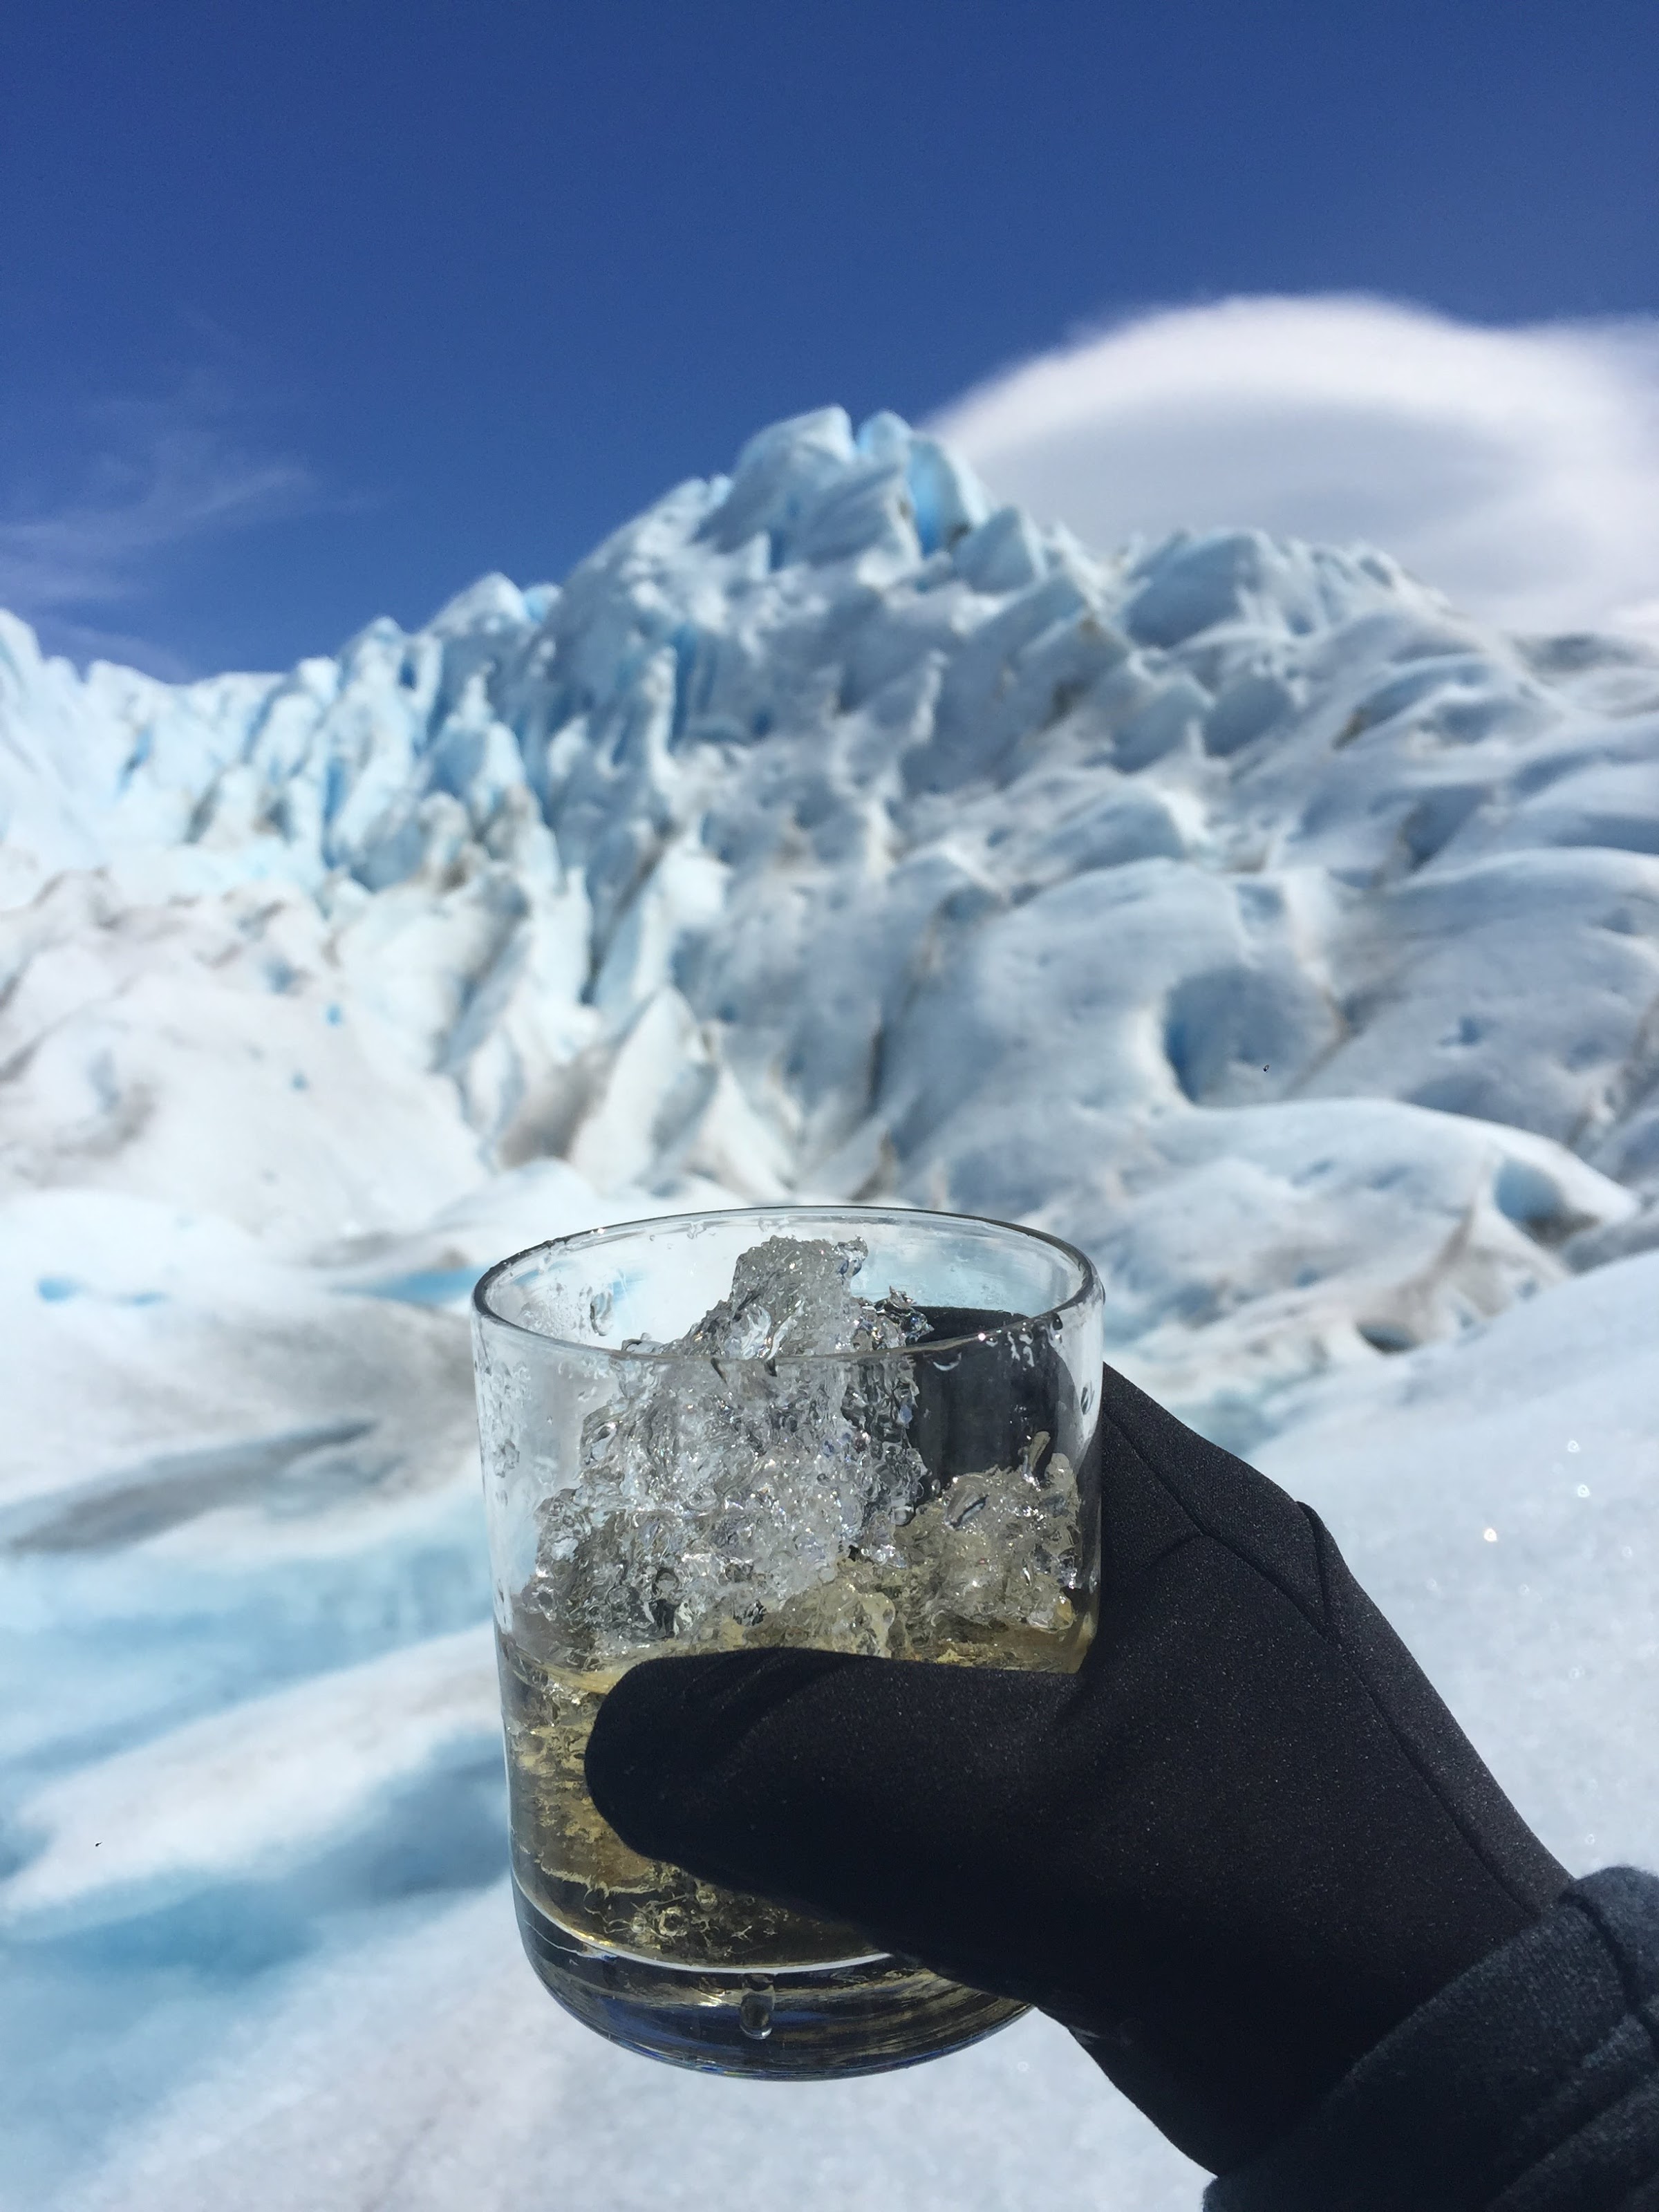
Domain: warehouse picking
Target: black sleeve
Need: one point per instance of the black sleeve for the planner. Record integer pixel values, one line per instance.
(1529, 2084)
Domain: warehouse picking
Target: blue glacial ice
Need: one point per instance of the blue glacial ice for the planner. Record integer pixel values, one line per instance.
(1236, 907)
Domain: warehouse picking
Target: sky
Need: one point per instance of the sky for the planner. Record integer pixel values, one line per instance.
(310, 314)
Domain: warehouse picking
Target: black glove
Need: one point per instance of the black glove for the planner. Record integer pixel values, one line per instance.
(1230, 1854)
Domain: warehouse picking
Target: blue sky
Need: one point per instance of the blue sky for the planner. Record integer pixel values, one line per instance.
(309, 312)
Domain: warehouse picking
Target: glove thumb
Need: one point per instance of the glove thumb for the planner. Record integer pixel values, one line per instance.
(898, 1796)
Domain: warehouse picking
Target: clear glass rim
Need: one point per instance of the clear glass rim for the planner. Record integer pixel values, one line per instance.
(1088, 1282)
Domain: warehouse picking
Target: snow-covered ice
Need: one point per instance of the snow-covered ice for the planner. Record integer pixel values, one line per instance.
(1236, 907)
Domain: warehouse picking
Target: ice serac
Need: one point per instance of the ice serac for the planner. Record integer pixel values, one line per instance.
(1236, 908)
(832, 831)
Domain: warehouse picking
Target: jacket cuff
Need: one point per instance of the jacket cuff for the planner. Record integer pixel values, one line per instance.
(1535, 2073)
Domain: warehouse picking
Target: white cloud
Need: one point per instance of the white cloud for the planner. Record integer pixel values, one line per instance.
(1517, 469)
(157, 477)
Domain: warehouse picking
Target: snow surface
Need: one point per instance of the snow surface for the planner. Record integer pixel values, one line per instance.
(1236, 907)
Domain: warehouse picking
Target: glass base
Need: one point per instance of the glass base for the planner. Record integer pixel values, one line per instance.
(815, 2024)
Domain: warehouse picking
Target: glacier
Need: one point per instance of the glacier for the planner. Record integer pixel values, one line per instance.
(1234, 906)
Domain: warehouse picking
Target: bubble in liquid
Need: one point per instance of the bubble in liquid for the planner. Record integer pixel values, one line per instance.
(755, 2010)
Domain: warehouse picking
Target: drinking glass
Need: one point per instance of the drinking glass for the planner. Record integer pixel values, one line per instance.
(862, 1429)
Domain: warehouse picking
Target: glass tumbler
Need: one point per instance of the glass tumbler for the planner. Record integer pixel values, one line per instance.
(858, 1429)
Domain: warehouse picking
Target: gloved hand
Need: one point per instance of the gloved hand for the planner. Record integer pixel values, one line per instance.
(1231, 1853)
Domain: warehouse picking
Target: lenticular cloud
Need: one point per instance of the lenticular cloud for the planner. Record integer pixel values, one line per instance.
(1235, 904)
(1517, 469)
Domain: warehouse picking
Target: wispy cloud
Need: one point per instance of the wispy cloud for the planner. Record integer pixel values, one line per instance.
(158, 476)
(1517, 469)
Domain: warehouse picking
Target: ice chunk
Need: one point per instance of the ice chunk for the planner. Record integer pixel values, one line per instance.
(793, 1295)
(739, 1491)
(994, 1555)
(735, 1472)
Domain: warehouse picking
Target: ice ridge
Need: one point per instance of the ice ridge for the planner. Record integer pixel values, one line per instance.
(832, 831)
(1237, 907)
